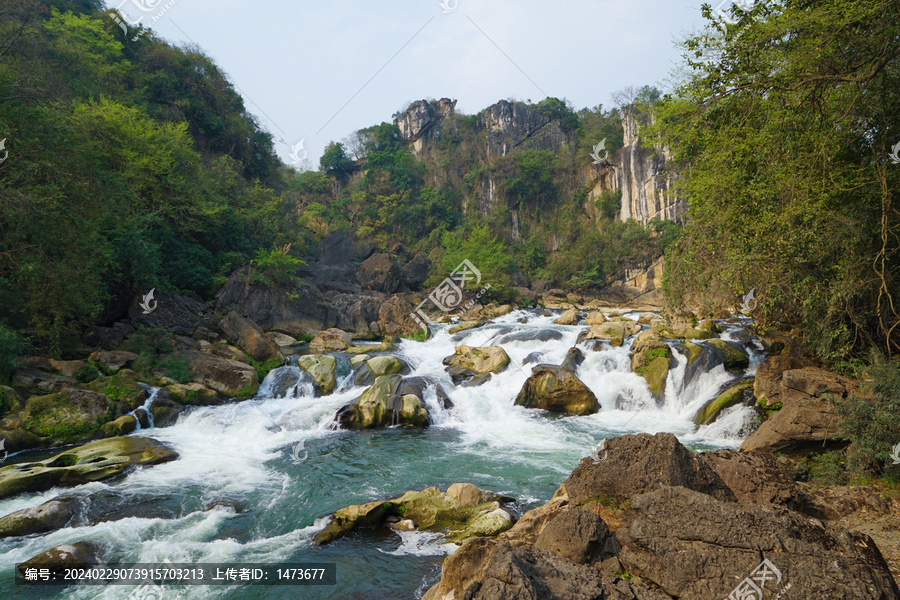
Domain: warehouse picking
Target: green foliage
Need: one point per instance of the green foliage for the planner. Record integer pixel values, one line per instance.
(175, 367)
(871, 420)
(263, 367)
(148, 341)
(787, 136)
(609, 203)
(276, 266)
(335, 161)
(488, 254)
(135, 165)
(11, 348)
(560, 111)
(87, 373)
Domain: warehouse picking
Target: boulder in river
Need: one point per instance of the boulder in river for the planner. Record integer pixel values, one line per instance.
(322, 369)
(734, 359)
(652, 361)
(462, 512)
(595, 318)
(735, 394)
(557, 389)
(383, 405)
(64, 555)
(378, 366)
(615, 331)
(92, 462)
(570, 317)
(468, 362)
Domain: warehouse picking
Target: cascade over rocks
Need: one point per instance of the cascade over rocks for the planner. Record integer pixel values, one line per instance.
(477, 364)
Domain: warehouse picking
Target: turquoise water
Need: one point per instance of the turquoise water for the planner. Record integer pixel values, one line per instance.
(268, 505)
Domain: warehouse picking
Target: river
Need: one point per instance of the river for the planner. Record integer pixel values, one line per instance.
(255, 479)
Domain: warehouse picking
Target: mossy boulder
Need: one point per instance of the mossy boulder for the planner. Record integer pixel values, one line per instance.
(92, 462)
(70, 415)
(9, 400)
(192, 394)
(730, 397)
(557, 389)
(688, 330)
(322, 369)
(461, 515)
(378, 366)
(468, 362)
(390, 400)
(693, 352)
(652, 361)
(122, 387)
(122, 426)
(734, 358)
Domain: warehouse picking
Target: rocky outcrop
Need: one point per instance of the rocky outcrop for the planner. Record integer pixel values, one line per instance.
(634, 464)
(65, 555)
(249, 336)
(330, 340)
(645, 519)
(420, 119)
(92, 462)
(462, 512)
(113, 360)
(173, 312)
(381, 273)
(230, 378)
(475, 365)
(395, 317)
(557, 389)
(569, 317)
(808, 420)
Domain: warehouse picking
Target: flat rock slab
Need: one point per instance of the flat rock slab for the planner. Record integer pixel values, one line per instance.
(92, 462)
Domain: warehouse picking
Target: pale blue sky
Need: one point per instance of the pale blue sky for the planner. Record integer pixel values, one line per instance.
(298, 63)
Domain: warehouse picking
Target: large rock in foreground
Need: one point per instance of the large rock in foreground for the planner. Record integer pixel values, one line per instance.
(462, 512)
(633, 464)
(391, 400)
(330, 340)
(631, 529)
(92, 462)
(557, 389)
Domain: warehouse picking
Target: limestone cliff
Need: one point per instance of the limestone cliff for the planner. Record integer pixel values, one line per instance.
(642, 174)
(475, 150)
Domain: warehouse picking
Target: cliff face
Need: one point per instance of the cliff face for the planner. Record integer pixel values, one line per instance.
(640, 173)
(502, 130)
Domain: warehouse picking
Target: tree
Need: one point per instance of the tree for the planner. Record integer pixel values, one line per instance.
(334, 161)
(784, 123)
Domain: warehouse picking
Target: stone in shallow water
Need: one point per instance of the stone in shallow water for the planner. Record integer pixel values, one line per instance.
(92, 462)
